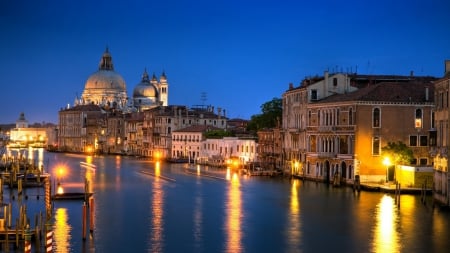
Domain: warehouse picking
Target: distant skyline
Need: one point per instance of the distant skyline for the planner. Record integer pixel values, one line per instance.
(241, 54)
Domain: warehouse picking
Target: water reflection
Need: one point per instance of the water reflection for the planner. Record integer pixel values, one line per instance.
(62, 231)
(234, 215)
(386, 235)
(294, 233)
(157, 212)
(198, 215)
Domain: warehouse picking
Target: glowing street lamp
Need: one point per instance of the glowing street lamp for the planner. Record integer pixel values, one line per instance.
(60, 172)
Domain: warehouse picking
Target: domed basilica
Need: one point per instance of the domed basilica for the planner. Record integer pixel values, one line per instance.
(107, 89)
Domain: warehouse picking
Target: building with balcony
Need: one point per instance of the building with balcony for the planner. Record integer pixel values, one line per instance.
(335, 126)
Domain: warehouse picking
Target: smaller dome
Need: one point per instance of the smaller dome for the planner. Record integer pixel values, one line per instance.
(145, 89)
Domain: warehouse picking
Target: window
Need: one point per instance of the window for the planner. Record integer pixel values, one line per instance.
(412, 140)
(423, 141)
(418, 118)
(314, 95)
(423, 161)
(376, 145)
(376, 117)
(335, 82)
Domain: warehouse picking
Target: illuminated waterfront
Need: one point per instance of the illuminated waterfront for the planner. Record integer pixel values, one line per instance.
(150, 207)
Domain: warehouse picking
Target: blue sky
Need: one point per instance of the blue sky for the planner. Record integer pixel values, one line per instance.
(240, 53)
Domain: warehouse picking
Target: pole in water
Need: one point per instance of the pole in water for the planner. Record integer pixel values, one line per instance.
(84, 221)
(48, 237)
(27, 248)
(91, 214)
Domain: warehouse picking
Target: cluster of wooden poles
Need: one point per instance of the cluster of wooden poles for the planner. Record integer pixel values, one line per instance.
(21, 234)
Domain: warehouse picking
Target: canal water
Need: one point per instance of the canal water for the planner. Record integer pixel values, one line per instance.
(143, 206)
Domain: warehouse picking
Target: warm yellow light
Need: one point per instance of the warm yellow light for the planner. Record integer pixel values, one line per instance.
(157, 155)
(60, 171)
(387, 161)
(59, 189)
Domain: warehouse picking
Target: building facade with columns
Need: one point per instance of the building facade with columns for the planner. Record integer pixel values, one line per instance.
(342, 134)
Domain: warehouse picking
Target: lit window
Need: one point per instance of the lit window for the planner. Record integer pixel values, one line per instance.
(418, 118)
(376, 145)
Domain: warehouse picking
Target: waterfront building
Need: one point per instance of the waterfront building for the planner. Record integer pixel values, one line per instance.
(160, 122)
(441, 190)
(82, 128)
(269, 149)
(218, 152)
(24, 135)
(186, 142)
(339, 129)
(133, 130)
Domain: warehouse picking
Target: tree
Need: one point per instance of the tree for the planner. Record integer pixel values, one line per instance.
(398, 152)
(271, 113)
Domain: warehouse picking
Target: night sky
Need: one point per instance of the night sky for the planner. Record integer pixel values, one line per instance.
(241, 54)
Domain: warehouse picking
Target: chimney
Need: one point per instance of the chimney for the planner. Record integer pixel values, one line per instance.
(447, 67)
(325, 87)
(291, 86)
(411, 73)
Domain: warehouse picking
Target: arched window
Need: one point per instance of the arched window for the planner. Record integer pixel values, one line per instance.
(418, 118)
(376, 117)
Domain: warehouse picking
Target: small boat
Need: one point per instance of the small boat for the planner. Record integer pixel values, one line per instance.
(88, 165)
(72, 196)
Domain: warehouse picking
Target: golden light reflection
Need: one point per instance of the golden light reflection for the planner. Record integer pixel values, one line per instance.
(198, 169)
(386, 237)
(62, 231)
(228, 175)
(157, 211)
(157, 170)
(234, 212)
(89, 159)
(157, 156)
(41, 159)
(294, 232)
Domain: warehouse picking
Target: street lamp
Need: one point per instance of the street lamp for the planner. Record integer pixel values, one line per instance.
(59, 174)
(387, 163)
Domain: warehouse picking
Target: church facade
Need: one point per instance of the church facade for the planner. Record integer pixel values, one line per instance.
(96, 121)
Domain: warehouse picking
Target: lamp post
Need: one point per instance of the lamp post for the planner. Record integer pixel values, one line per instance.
(387, 163)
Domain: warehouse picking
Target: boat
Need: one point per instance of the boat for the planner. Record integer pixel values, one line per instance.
(72, 196)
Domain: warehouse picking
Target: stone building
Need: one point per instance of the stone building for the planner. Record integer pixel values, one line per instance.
(160, 122)
(339, 128)
(440, 148)
(82, 128)
(97, 120)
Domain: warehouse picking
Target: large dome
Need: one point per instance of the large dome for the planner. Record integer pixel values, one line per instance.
(145, 89)
(107, 80)
(105, 86)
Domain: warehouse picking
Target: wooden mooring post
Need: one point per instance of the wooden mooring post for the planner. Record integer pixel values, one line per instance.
(397, 193)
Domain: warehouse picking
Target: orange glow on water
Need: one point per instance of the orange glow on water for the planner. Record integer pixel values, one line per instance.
(234, 212)
(157, 211)
(62, 231)
(386, 237)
